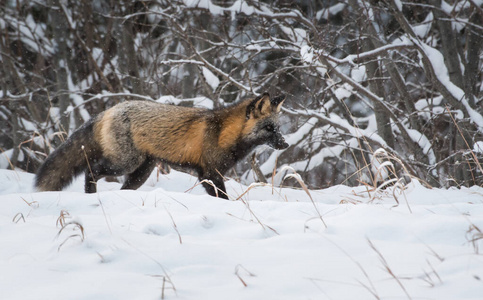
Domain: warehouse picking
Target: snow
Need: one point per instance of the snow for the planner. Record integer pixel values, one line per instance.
(237, 7)
(314, 161)
(5, 158)
(297, 35)
(398, 4)
(165, 241)
(440, 70)
(396, 44)
(478, 147)
(446, 7)
(358, 73)
(333, 10)
(343, 92)
(211, 78)
(424, 143)
(307, 54)
(422, 30)
(155, 13)
(32, 33)
(78, 100)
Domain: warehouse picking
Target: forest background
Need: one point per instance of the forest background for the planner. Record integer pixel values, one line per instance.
(404, 77)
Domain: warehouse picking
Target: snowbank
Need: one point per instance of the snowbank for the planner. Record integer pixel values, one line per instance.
(165, 241)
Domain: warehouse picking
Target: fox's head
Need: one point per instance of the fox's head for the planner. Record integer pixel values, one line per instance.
(262, 121)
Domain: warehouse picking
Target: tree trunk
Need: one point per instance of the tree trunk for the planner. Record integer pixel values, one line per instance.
(449, 43)
(60, 34)
(131, 58)
(374, 75)
(473, 46)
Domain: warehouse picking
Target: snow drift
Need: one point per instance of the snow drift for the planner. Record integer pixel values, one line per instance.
(170, 240)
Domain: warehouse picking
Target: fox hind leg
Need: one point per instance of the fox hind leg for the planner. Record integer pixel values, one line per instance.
(98, 170)
(90, 185)
(135, 179)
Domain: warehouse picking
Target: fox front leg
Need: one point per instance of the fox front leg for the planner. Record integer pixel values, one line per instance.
(216, 187)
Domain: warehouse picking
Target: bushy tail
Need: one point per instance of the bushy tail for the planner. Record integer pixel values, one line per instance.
(69, 160)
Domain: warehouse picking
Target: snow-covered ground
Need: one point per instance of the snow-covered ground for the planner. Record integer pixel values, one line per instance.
(169, 241)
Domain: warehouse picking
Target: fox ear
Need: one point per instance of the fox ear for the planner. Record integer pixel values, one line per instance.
(277, 103)
(264, 105)
(259, 106)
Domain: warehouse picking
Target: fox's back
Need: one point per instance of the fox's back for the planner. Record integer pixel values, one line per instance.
(172, 133)
(142, 111)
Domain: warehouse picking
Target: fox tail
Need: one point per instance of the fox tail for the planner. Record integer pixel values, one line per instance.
(69, 160)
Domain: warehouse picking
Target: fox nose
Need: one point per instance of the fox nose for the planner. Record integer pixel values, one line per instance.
(281, 144)
(284, 145)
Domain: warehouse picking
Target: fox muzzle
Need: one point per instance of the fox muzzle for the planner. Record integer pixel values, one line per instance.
(279, 142)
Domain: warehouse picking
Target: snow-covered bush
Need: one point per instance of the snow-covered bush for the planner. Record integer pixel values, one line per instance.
(359, 76)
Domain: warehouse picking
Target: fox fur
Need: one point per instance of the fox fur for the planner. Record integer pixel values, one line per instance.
(131, 137)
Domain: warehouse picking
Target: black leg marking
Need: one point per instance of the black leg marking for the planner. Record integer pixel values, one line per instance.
(97, 171)
(91, 184)
(217, 180)
(140, 175)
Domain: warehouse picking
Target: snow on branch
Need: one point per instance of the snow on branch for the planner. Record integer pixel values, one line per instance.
(181, 61)
(339, 123)
(352, 59)
(441, 74)
(433, 62)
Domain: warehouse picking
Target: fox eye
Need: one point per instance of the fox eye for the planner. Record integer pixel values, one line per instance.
(269, 127)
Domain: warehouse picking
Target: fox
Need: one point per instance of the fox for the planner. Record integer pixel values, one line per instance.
(130, 138)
